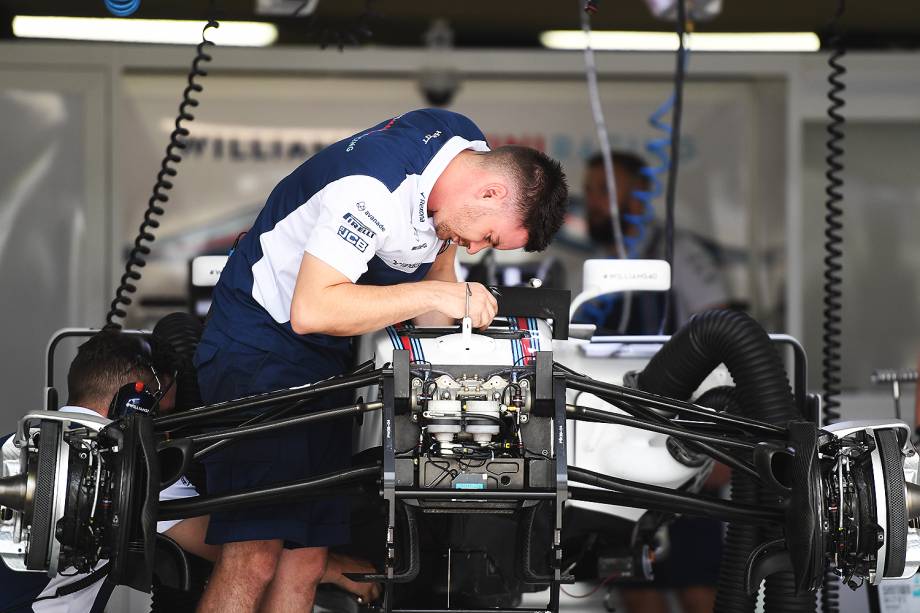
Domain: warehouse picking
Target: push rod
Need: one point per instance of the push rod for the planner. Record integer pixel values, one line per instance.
(709, 450)
(799, 361)
(666, 496)
(323, 485)
(281, 411)
(543, 610)
(653, 401)
(451, 494)
(277, 412)
(261, 428)
(270, 398)
(712, 509)
(598, 415)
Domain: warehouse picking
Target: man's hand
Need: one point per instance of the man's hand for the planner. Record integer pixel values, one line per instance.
(483, 305)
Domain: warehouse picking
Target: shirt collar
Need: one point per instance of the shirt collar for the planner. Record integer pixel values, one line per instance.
(433, 170)
(75, 409)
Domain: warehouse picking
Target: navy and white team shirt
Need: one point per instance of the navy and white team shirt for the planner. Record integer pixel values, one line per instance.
(360, 205)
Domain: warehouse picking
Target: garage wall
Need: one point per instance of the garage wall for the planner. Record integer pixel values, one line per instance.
(744, 156)
(54, 216)
(251, 131)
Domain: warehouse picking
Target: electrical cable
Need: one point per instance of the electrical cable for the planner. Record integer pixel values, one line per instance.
(603, 137)
(137, 258)
(833, 254)
(679, 73)
(592, 591)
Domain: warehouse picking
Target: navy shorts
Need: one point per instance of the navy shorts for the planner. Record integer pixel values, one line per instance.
(227, 370)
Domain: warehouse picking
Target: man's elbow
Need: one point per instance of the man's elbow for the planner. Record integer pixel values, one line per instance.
(313, 322)
(304, 322)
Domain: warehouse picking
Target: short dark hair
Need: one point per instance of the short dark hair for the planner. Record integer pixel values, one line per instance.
(543, 193)
(631, 162)
(111, 359)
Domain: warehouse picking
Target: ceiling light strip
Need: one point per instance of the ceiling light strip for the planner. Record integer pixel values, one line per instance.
(611, 40)
(158, 31)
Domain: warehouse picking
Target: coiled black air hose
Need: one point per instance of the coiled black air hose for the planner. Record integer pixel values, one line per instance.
(833, 230)
(762, 391)
(137, 258)
(833, 254)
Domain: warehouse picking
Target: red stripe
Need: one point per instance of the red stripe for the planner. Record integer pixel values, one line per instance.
(407, 344)
(525, 341)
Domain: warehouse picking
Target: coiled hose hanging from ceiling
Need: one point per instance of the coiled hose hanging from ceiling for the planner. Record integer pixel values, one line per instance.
(657, 147)
(833, 254)
(137, 258)
(762, 391)
(122, 8)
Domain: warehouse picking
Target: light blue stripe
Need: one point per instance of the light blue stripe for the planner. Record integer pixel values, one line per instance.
(394, 337)
(419, 352)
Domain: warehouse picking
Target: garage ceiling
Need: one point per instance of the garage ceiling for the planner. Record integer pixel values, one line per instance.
(891, 24)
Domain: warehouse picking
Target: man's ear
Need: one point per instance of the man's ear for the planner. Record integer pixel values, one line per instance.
(493, 192)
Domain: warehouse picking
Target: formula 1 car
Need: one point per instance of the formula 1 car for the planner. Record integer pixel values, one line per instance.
(487, 441)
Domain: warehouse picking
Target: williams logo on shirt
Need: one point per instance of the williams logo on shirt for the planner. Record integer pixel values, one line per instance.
(352, 239)
(358, 226)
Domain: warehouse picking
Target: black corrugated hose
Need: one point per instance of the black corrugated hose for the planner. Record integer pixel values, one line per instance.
(720, 399)
(763, 392)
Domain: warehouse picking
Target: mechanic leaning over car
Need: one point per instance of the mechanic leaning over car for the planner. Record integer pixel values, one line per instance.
(357, 238)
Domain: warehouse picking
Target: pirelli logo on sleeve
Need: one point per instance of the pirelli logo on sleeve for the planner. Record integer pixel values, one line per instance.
(352, 239)
(359, 227)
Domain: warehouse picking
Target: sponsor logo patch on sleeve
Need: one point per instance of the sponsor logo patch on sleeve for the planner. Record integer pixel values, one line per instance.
(358, 226)
(352, 239)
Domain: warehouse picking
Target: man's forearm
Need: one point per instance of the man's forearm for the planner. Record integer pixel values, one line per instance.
(434, 319)
(349, 310)
(443, 269)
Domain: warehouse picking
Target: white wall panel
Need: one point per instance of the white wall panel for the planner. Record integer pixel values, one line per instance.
(53, 220)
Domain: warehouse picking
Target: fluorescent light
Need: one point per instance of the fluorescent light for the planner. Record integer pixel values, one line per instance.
(610, 40)
(176, 32)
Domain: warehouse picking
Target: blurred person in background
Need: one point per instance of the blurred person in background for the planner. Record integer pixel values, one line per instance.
(691, 568)
(697, 282)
